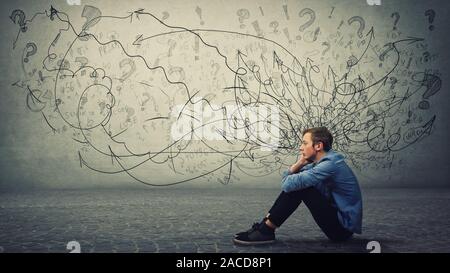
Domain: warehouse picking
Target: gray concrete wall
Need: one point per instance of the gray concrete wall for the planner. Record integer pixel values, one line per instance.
(91, 92)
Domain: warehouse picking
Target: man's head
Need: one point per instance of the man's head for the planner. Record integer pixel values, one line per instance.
(315, 143)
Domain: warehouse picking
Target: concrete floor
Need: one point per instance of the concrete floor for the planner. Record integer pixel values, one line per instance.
(204, 220)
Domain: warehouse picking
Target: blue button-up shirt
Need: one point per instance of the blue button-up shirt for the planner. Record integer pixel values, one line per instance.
(334, 179)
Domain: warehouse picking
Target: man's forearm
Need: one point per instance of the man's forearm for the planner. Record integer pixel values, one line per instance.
(297, 166)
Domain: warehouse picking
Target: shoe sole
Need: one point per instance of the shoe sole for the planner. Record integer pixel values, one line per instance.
(247, 243)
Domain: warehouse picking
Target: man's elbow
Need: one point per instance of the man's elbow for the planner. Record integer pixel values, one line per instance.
(286, 187)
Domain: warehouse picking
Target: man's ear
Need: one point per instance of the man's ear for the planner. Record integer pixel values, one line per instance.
(318, 146)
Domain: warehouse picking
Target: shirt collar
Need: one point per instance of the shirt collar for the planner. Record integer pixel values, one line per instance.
(326, 156)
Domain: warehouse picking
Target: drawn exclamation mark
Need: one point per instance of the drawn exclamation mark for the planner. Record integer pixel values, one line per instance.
(198, 10)
(286, 32)
(409, 63)
(286, 11)
(329, 16)
(197, 41)
(56, 39)
(257, 28)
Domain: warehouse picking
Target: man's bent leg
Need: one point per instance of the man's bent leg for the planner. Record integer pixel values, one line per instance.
(325, 214)
(322, 210)
(284, 206)
(263, 232)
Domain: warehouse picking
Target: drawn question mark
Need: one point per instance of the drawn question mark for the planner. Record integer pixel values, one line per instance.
(179, 71)
(312, 17)
(63, 64)
(374, 246)
(327, 44)
(74, 246)
(92, 15)
(31, 52)
(172, 45)
(397, 17)
(132, 66)
(274, 25)
(433, 84)
(431, 14)
(19, 13)
(198, 10)
(243, 14)
(82, 60)
(196, 48)
(390, 46)
(352, 61)
(146, 94)
(393, 82)
(362, 24)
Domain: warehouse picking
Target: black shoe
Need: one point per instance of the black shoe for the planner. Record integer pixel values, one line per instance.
(254, 227)
(259, 234)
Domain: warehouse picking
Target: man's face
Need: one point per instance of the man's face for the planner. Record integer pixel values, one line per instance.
(307, 148)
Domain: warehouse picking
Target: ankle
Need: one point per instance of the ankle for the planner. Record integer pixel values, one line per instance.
(265, 229)
(270, 224)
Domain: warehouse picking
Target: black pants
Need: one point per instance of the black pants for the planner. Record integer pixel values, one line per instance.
(322, 210)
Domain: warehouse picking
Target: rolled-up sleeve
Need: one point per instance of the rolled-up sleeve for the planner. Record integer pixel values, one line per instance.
(285, 173)
(308, 177)
(288, 171)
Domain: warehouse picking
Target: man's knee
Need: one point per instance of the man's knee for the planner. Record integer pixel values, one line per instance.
(305, 191)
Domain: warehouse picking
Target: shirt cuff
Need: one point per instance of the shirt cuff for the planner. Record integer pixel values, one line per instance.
(286, 173)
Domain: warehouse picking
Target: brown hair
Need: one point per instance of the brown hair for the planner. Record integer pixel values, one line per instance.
(321, 134)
